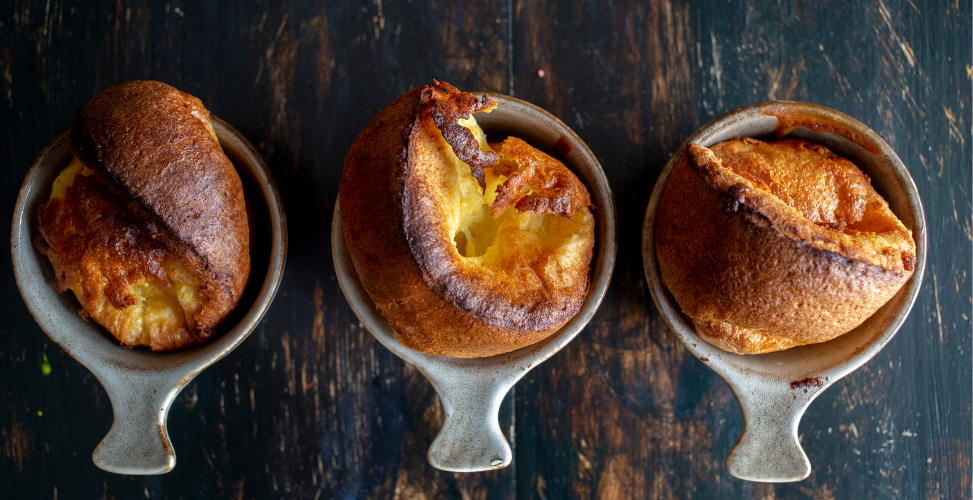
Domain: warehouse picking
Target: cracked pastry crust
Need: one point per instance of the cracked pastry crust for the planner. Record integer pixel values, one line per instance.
(469, 249)
(772, 245)
(147, 225)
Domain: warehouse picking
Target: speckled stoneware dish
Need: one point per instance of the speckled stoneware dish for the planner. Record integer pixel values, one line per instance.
(471, 389)
(767, 386)
(142, 384)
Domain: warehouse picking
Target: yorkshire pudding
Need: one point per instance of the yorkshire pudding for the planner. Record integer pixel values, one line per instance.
(468, 249)
(147, 224)
(771, 245)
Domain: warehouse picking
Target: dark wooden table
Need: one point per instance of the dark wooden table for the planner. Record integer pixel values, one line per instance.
(311, 406)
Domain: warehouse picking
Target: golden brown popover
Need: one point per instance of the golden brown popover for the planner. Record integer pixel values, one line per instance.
(147, 224)
(468, 249)
(771, 245)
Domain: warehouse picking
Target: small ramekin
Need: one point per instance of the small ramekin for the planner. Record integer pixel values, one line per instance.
(775, 389)
(140, 383)
(471, 389)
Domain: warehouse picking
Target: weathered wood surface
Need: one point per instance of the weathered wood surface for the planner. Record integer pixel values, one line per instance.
(310, 406)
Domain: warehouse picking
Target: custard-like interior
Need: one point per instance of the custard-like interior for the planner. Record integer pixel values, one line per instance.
(158, 307)
(494, 242)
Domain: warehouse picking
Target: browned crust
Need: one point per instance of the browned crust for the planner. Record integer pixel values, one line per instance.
(99, 248)
(154, 146)
(398, 241)
(556, 190)
(446, 104)
(892, 250)
(754, 275)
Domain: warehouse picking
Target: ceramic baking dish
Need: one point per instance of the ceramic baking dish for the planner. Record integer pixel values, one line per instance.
(775, 389)
(140, 383)
(471, 389)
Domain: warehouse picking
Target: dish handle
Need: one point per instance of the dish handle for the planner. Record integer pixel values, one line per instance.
(768, 449)
(471, 439)
(138, 442)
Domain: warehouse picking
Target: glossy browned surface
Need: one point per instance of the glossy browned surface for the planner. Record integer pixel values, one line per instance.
(312, 406)
(828, 190)
(756, 243)
(554, 188)
(99, 248)
(447, 105)
(155, 146)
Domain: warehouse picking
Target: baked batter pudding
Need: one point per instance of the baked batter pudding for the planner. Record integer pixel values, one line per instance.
(771, 245)
(147, 225)
(468, 248)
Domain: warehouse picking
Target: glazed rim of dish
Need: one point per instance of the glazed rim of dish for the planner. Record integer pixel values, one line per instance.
(848, 138)
(56, 313)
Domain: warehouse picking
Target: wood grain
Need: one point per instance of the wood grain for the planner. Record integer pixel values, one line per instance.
(311, 406)
(662, 422)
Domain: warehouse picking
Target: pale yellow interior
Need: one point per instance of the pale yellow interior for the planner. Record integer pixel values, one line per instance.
(159, 308)
(476, 231)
